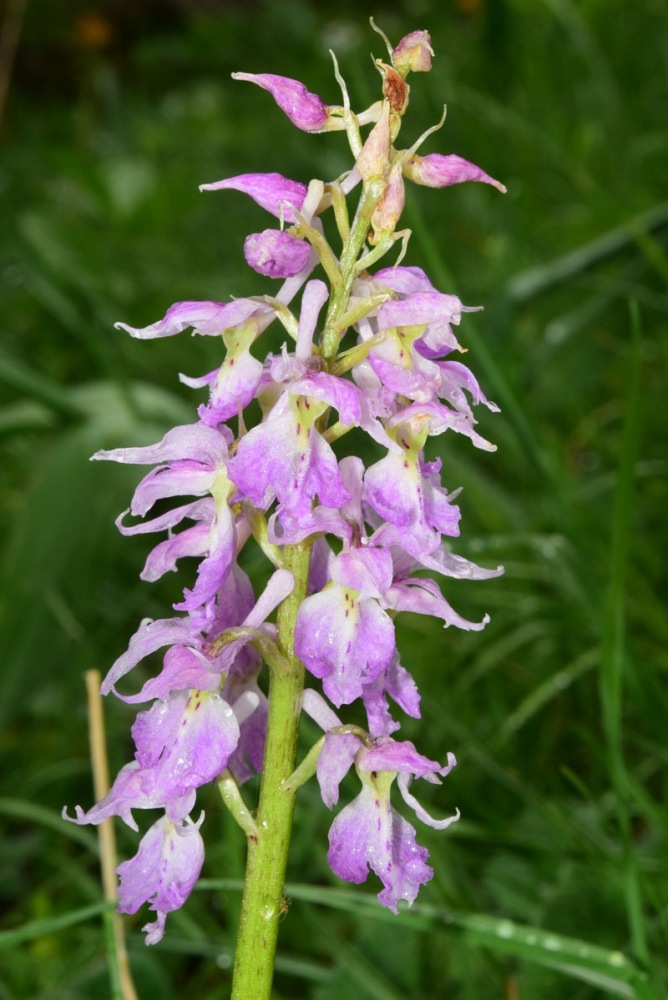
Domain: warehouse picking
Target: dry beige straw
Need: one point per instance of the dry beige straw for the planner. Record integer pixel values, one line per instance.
(107, 839)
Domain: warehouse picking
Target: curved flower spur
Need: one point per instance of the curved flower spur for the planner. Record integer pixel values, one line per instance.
(366, 348)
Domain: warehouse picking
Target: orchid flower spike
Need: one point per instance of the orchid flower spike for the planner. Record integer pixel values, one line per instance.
(263, 473)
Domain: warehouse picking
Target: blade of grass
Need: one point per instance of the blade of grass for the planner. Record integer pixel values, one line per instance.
(302, 968)
(24, 378)
(593, 55)
(25, 416)
(501, 388)
(544, 693)
(51, 925)
(368, 978)
(537, 280)
(611, 971)
(19, 809)
(10, 34)
(613, 643)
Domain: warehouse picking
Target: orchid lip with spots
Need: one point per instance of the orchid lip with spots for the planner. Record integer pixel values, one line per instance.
(369, 344)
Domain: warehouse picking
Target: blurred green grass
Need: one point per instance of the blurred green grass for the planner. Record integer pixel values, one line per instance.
(558, 711)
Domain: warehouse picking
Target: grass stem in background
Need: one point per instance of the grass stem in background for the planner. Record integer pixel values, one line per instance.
(613, 646)
(122, 986)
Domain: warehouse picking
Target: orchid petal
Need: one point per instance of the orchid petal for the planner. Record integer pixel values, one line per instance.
(273, 192)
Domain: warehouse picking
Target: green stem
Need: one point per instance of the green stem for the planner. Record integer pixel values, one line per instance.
(263, 900)
(340, 296)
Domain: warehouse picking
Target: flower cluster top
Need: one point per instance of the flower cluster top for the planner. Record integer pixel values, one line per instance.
(368, 348)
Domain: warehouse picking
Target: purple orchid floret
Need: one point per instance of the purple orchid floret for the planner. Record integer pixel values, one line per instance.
(188, 459)
(185, 741)
(288, 459)
(343, 635)
(179, 748)
(405, 499)
(421, 308)
(190, 663)
(419, 305)
(403, 370)
(163, 872)
(369, 833)
(195, 462)
(273, 192)
(304, 109)
(132, 789)
(439, 419)
(205, 318)
(214, 540)
(423, 597)
(235, 384)
(276, 254)
(193, 541)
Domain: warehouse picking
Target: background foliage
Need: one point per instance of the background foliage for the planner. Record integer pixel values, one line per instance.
(558, 711)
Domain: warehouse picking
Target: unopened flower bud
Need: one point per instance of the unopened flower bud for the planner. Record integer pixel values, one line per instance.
(437, 171)
(276, 254)
(305, 110)
(388, 211)
(413, 53)
(374, 158)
